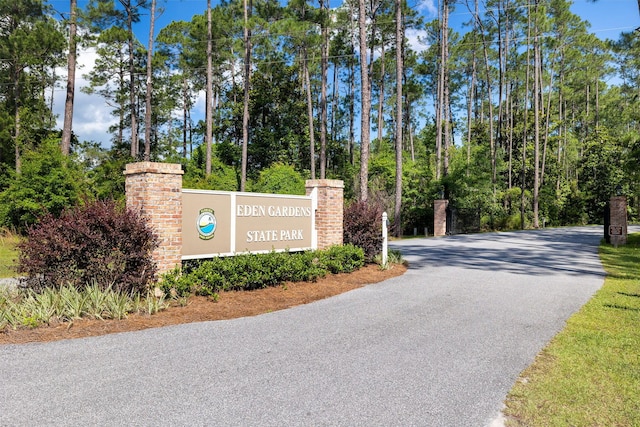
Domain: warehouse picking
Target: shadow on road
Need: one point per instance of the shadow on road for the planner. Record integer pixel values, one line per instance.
(563, 251)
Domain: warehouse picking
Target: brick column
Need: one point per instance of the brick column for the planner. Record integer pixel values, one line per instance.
(440, 217)
(330, 213)
(618, 220)
(155, 191)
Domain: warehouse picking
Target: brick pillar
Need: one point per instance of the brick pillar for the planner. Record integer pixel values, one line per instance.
(618, 220)
(330, 213)
(155, 191)
(440, 217)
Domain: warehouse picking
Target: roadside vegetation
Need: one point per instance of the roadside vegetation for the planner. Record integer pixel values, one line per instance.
(589, 375)
(95, 261)
(8, 253)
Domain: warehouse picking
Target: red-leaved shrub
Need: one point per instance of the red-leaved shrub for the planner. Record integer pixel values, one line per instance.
(363, 227)
(96, 243)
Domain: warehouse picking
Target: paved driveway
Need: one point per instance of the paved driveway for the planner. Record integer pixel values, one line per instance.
(439, 346)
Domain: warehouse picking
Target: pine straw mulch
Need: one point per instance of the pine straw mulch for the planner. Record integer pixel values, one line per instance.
(230, 305)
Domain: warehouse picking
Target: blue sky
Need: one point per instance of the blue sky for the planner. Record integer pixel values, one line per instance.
(608, 19)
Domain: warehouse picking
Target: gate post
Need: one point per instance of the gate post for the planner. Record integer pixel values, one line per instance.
(618, 220)
(330, 212)
(440, 217)
(155, 191)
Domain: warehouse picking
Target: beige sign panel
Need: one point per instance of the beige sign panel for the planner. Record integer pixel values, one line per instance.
(216, 223)
(265, 222)
(206, 224)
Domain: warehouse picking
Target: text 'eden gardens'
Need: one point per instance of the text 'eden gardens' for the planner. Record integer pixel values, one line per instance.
(272, 211)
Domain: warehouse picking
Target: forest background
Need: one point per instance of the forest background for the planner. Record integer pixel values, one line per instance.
(518, 114)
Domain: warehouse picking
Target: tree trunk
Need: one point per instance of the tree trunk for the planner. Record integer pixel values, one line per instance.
(185, 100)
(381, 91)
(536, 118)
(247, 77)
(446, 104)
(526, 124)
(439, 95)
(307, 83)
(324, 6)
(399, 110)
(132, 85)
(209, 94)
(334, 100)
(365, 112)
(67, 128)
(470, 101)
(147, 99)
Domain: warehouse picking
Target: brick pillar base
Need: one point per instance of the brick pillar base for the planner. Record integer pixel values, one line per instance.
(440, 217)
(618, 220)
(330, 213)
(155, 191)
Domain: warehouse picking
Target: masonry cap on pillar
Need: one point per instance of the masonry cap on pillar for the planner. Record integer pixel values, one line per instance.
(335, 183)
(153, 167)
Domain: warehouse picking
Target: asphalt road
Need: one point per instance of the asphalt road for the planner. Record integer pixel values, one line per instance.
(439, 346)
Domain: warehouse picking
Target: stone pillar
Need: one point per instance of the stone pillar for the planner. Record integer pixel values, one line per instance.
(155, 191)
(618, 220)
(330, 213)
(440, 217)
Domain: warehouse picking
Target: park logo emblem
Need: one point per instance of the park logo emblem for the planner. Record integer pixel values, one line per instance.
(206, 223)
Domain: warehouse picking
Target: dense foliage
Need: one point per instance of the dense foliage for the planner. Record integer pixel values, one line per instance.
(521, 114)
(255, 271)
(362, 227)
(48, 183)
(97, 243)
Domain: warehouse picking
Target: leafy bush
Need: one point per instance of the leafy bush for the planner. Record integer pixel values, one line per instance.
(362, 228)
(222, 177)
(49, 182)
(254, 271)
(280, 179)
(342, 259)
(97, 243)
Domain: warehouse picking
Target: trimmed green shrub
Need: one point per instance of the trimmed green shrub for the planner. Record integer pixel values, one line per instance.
(363, 228)
(96, 243)
(342, 259)
(254, 271)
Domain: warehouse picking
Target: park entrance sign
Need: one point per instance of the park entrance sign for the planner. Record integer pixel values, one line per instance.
(220, 223)
(194, 224)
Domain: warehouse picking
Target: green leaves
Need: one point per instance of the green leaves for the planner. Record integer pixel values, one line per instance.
(255, 271)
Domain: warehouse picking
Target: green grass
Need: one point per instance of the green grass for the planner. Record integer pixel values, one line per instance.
(8, 254)
(589, 375)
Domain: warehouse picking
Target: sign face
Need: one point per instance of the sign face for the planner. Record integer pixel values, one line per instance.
(218, 223)
(615, 230)
(267, 222)
(206, 224)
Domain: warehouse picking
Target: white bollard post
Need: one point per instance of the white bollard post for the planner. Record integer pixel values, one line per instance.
(384, 239)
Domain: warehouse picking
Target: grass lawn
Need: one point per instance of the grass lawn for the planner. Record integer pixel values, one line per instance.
(589, 375)
(8, 254)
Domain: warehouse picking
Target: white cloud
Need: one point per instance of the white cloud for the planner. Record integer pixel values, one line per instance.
(427, 7)
(415, 39)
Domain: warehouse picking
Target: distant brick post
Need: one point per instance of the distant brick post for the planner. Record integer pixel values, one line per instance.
(155, 191)
(440, 217)
(618, 220)
(330, 213)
